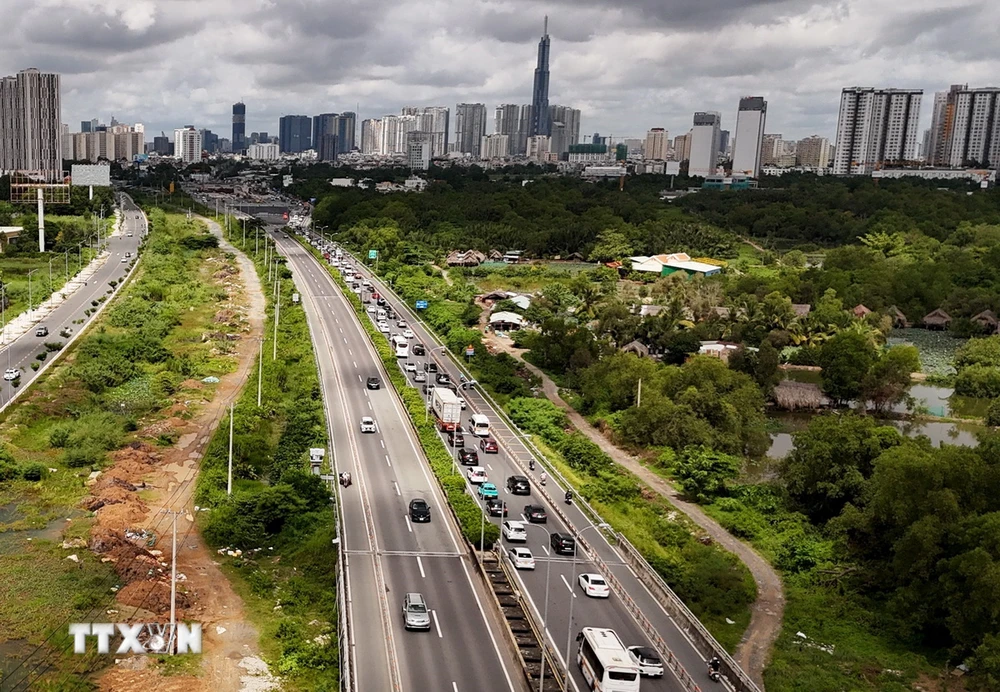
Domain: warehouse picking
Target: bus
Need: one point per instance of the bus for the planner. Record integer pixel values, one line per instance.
(479, 425)
(401, 345)
(605, 662)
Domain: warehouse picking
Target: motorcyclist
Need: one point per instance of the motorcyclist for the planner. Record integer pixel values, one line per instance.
(569, 496)
(543, 478)
(713, 668)
(531, 464)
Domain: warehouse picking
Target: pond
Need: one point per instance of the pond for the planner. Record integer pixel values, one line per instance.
(938, 432)
(937, 349)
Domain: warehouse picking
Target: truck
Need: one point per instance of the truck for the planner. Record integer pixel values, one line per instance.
(446, 407)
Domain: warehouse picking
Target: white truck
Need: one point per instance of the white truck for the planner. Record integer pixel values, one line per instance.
(446, 407)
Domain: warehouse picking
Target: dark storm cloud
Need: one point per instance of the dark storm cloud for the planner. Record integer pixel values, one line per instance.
(93, 32)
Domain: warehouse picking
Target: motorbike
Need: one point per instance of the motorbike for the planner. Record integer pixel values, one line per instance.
(531, 464)
(569, 498)
(713, 670)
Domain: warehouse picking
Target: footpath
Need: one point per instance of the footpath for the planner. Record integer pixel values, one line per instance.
(767, 612)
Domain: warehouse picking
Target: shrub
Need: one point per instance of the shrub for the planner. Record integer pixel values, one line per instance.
(41, 356)
(34, 472)
(101, 429)
(165, 383)
(53, 346)
(993, 414)
(34, 366)
(59, 436)
(79, 457)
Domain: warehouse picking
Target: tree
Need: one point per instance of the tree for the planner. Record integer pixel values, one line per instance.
(760, 364)
(845, 360)
(993, 414)
(887, 381)
(611, 245)
(703, 473)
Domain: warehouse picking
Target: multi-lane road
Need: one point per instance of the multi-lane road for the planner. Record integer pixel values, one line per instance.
(21, 352)
(387, 555)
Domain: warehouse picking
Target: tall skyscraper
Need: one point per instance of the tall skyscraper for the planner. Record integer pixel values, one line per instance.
(749, 135)
(294, 133)
(470, 127)
(876, 127)
(514, 121)
(347, 125)
(30, 122)
(569, 134)
(187, 144)
(682, 147)
(371, 136)
(540, 92)
(323, 125)
(239, 127)
(965, 127)
(704, 157)
(209, 141)
(656, 144)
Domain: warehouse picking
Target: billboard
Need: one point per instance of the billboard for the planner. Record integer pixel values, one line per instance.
(88, 175)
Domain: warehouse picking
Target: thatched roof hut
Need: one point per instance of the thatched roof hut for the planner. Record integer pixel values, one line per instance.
(860, 311)
(938, 319)
(898, 318)
(987, 319)
(637, 347)
(791, 396)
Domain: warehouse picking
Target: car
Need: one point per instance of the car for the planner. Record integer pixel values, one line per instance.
(477, 475)
(381, 301)
(124, 259)
(416, 616)
(487, 490)
(518, 485)
(373, 383)
(562, 543)
(489, 445)
(383, 327)
(496, 507)
(594, 585)
(514, 532)
(461, 403)
(418, 350)
(419, 376)
(410, 367)
(521, 558)
(468, 457)
(442, 378)
(420, 511)
(535, 514)
(648, 660)
(370, 309)
(366, 283)
(128, 254)
(42, 331)
(129, 234)
(367, 424)
(401, 324)
(11, 374)
(456, 437)
(408, 334)
(430, 367)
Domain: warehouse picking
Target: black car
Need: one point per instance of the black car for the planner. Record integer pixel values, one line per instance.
(420, 511)
(430, 367)
(562, 544)
(442, 378)
(456, 438)
(468, 457)
(518, 485)
(496, 507)
(427, 388)
(373, 383)
(535, 514)
(418, 350)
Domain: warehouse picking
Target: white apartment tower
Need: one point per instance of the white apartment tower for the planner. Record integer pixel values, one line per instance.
(30, 122)
(470, 127)
(371, 136)
(703, 159)
(876, 127)
(494, 146)
(657, 144)
(749, 135)
(813, 152)
(187, 144)
(965, 128)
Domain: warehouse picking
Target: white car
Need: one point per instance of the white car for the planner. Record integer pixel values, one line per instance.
(370, 309)
(521, 558)
(477, 475)
(410, 367)
(514, 532)
(408, 334)
(367, 424)
(366, 283)
(420, 376)
(11, 374)
(383, 327)
(594, 586)
(648, 660)
(461, 402)
(401, 324)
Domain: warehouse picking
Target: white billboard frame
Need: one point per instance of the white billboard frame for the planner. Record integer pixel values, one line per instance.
(90, 175)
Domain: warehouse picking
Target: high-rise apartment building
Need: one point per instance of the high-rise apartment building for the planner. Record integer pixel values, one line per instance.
(538, 148)
(294, 133)
(703, 159)
(813, 152)
(239, 139)
(540, 91)
(324, 126)
(470, 127)
(434, 120)
(30, 122)
(564, 128)
(965, 128)
(682, 147)
(876, 127)
(347, 126)
(371, 136)
(495, 146)
(515, 122)
(187, 144)
(656, 144)
(419, 149)
(749, 135)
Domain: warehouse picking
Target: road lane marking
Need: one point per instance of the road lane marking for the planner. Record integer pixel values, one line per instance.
(570, 588)
(355, 365)
(370, 406)
(408, 526)
(396, 486)
(546, 549)
(421, 566)
(454, 686)
(382, 442)
(387, 460)
(437, 624)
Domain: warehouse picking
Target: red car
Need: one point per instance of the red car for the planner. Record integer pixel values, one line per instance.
(489, 445)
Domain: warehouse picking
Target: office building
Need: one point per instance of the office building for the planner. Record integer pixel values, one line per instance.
(656, 144)
(89, 125)
(495, 146)
(723, 143)
(564, 128)
(187, 144)
(419, 149)
(209, 141)
(682, 147)
(876, 127)
(30, 122)
(538, 148)
(749, 135)
(540, 91)
(470, 127)
(703, 158)
(239, 138)
(323, 127)
(965, 128)
(347, 126)
(813, 152)
(434, 120)
(264, 151)
(294, 133)
(162, 145)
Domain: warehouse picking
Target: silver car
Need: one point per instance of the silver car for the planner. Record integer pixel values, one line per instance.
(416, 616)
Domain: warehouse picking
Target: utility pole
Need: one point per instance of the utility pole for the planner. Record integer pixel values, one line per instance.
(229, 481)
(638, 396)
(277, 313)
(260, 371)
(173, 578)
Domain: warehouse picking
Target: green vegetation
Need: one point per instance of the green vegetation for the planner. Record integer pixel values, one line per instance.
(279, 515)
(95, 401)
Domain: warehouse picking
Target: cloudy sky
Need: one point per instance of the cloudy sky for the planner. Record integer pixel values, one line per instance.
(627, 64)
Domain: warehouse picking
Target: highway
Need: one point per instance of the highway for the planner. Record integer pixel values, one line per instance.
(564, 593)
(21, 352)
(387, 555)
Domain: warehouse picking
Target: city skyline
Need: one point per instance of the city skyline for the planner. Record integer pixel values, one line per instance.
(627, 72)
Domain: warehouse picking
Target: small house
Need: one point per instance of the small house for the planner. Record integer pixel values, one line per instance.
(465, 258)
(506, 321)
(723, 312)
(801, 309)
(637, 348)
(938, 319)
(987, 319)
(860, 311)
(718, 349)
(496, 256)
(899, 320)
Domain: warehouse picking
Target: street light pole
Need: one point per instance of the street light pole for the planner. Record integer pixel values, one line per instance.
(277, 313)
(30, 303)
(260, 372)
(572, 600)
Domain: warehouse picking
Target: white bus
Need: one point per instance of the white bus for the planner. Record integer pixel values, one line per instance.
(605, 662)
(479, 425)
(402, 346)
